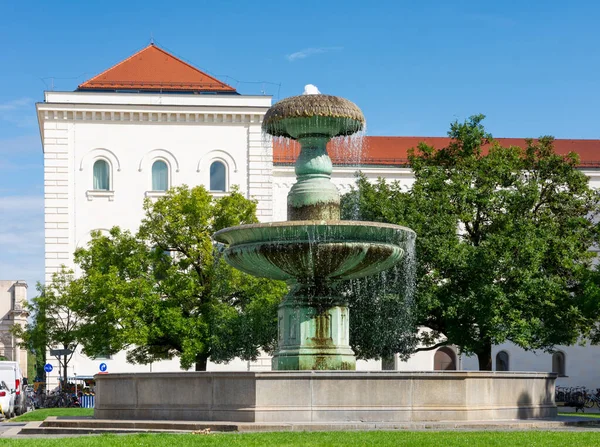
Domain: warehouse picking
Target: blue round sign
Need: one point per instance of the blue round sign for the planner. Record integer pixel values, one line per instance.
(48, 367)
(103, 367)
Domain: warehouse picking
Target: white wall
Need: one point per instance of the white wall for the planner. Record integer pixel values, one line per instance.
(188, 134)
(582, 363)
(131, 132)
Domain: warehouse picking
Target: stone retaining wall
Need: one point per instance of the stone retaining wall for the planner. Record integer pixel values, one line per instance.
(326, 396)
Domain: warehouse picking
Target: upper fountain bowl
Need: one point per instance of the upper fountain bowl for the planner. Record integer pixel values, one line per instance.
(309, 251)
(313, 115)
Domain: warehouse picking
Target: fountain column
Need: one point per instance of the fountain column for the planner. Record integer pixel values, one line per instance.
(313, 196)
(313, 329)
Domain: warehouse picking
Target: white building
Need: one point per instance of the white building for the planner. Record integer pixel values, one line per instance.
(152, 122)
(13, 296)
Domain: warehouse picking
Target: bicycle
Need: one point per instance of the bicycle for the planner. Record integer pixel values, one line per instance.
(592, 399)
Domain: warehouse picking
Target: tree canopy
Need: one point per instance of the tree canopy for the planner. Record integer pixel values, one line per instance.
(503, 239)
(165, 292)
(55, 323)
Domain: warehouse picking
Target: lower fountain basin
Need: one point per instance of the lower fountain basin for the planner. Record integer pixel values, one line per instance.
(326, 396)
(309, 250)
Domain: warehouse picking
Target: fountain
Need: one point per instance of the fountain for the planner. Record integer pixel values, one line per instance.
(314, 250)
(313, 381)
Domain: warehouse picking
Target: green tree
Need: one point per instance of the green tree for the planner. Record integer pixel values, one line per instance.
(55, 324)
(503, 241)
(166, 292)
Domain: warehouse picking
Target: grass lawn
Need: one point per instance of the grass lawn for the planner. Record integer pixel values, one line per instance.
(580, 414)
(43, 413)
(376, 438)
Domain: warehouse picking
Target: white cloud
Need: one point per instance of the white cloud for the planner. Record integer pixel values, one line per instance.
(22, 239)
(21, 226)
(8, 165)
(10, 204)
(20, 145)
(303, 54)
(20, 112)
(15, 104)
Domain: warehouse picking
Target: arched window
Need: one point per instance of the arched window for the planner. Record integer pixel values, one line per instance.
(160, 176)
(502, 361)
(101, 175)
(218, 176)
(558, 363)
(444, 360)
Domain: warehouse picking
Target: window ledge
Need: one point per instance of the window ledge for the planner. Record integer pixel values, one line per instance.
(155, 193)
(100, 193)
(219, 193)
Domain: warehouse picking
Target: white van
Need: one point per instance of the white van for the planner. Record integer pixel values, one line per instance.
(10, 372)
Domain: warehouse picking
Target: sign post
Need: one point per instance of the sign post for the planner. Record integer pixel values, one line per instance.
(57, 353)
(48, 369)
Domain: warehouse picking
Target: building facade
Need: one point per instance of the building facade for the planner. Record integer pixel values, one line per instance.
(13, 297)
(152, 122)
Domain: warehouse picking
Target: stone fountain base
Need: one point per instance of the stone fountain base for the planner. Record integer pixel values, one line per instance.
(326, 396)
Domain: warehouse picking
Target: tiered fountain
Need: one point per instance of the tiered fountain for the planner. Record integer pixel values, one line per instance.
(313, 251)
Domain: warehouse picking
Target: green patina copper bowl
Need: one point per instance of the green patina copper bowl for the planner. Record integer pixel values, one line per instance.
(306, 115)
(306, 251)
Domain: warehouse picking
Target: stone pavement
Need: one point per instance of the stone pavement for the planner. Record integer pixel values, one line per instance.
(6, 426)
(65, 426)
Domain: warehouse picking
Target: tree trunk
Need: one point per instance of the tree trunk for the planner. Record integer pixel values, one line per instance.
(484, 356)
(64, 384)
(201, 362)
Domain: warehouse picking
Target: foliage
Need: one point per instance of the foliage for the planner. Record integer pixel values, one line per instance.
(397, 438)
(167, 292)
(56, 323)
(503, 239)
(35, 366)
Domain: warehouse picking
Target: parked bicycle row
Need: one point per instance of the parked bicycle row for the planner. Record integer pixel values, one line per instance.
(55, 399)
(577, 396)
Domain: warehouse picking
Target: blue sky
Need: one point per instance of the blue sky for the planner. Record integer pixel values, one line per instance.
(412, 66)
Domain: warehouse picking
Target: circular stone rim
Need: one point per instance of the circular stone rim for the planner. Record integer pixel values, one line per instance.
(307, 106)
(218, 236)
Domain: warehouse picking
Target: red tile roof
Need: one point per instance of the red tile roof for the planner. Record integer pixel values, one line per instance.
(154, 69)
(393, 151)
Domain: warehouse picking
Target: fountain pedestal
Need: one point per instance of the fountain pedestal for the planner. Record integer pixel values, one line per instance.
(312, 337)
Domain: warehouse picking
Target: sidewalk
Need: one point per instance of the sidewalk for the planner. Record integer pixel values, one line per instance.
(66, 426)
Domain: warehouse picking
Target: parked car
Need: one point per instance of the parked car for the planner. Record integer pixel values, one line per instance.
(11, 374)
(7, 400)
